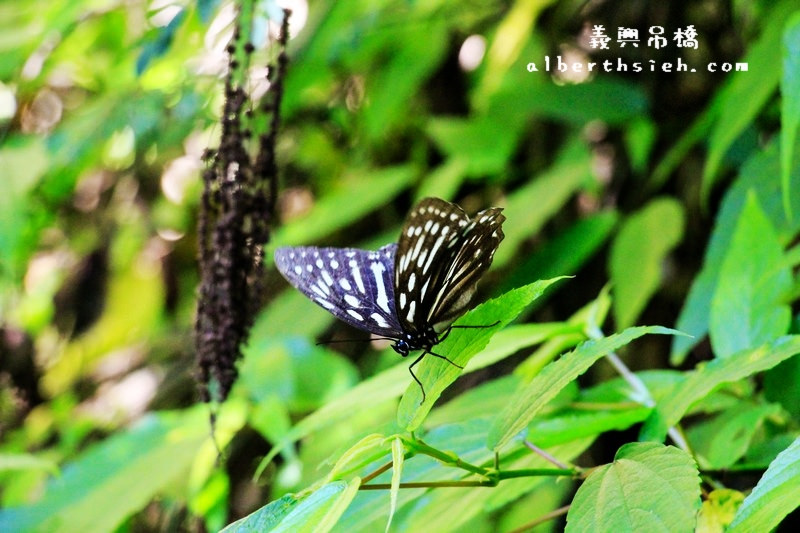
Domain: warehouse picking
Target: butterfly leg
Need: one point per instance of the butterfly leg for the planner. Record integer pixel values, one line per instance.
(450, 328)
(413, 375)
(446, 359)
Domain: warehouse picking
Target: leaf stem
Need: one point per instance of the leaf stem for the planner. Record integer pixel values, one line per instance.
(449, 458)
(641, 391)
(548, 457)
(542, 519)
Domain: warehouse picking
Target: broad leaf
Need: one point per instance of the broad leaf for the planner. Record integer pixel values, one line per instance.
(790, 105)
(749, 305)
(760, 174)
(554, 377)
(398, 455)
(708, 377)
(648, 487)
(775, 495)
(718, 510)
(315, 513)
(720, 442)
(637, 256)
(436, 374)
(740, 101)
(109, 475)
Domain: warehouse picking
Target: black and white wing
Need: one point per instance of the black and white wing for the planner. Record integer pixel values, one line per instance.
(354, 285)
(441, 255)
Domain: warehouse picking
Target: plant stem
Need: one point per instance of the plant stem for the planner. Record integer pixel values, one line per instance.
(544, 454)
(417, 446)
(640, 389)
(542, 519)
(375, 473)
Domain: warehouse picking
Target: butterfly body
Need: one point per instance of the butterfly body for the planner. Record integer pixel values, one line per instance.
(404, 291)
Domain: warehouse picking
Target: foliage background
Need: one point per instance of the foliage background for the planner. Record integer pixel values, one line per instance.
(676, 190)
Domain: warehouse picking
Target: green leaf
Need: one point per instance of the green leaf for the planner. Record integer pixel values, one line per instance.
(640, 137)
(371, 188)
(314, 513)
(398, 455)
(572, 424)
(26, 160)
(269, 516)
(611, 100)
(462, 344)
(565, 253)
(708, 377)
(108, 475)
(366, 451)
(369, 511)
(444, 181)
(774, 496)
(554, 377)
(742, 98)
(718, 510)
(748, 307)
(723, 440)
(489, 142)
(761, 174)
(637, 255)
(373, 391)
(26, 461)
(415, 50)
(532, 205)
(790, 105)
(304, 376)
(391, 383)
(648, 487)
(782, 385)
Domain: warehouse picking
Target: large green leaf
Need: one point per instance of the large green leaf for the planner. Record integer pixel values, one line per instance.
(723, 440)
(554, 377)
(106, 484)
(742, 98)
(790, 105)
(532, 205)
(436, 374)
(415, 50)
(749, 305)
(774, 496)
(362, 192)
(637, 255)
(648, 487)
(761, 174)
(317, 512)
(391, 383)
(302, 375)
(708, 377)
(565, 253)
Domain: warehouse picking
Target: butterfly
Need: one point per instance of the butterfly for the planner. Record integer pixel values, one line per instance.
(408, 290)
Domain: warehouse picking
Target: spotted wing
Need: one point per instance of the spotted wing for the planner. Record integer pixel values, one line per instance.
(354, 285)
(441, 255)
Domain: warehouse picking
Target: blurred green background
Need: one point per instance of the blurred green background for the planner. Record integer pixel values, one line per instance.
(631, 180)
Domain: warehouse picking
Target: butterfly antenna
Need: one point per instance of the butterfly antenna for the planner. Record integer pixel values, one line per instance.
(334, 341)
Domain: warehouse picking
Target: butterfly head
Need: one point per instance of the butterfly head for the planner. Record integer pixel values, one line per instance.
(410, 342)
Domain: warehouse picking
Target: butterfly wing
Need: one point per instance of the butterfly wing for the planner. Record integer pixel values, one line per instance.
(442, 254)
(354, 285)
